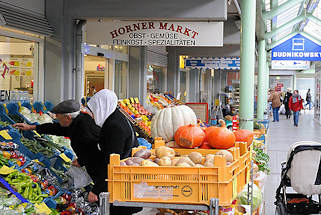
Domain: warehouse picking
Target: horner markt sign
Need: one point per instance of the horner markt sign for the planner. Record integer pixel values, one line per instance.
(297, 48)
(155, 33)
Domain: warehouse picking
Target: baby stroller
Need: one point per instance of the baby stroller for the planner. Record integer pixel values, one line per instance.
(302, 172)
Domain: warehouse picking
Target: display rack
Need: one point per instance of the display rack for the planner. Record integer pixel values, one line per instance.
(135, 125)
(213, 208)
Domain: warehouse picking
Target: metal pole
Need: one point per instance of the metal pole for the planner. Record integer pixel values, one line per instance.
(247, 64)
(261, 80)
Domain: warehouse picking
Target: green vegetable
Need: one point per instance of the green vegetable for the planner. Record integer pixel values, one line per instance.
(4, 124)
(262, 160)
(26, 187)
(37, 147)
(257, 197)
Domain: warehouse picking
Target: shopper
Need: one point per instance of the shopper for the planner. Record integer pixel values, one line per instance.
(276, 103)
(84, 135)
(308, 99)
(286, 103)
(295, 104)
(116, 136)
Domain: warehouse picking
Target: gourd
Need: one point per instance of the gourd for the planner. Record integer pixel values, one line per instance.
(220, 137)
(189, 136)
(243, 135)
(166, 121)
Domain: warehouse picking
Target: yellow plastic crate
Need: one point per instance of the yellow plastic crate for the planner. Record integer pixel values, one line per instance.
(179, 185)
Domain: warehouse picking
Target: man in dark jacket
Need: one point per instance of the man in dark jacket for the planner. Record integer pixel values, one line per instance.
(84, 135)
(286, 103)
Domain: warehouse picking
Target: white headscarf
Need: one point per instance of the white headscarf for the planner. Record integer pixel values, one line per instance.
(102, 105)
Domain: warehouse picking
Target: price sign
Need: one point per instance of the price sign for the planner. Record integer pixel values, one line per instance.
(5, 135)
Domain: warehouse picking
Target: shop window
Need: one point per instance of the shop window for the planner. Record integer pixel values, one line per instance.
(95, 69)
(18, 67)
(121, 77)
(156, 78)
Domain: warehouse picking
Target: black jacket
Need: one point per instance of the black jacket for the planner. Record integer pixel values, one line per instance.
(84, 135)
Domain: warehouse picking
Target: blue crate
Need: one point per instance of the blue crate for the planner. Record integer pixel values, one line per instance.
(265, 122)
(27, 105)
(49, 106)
(39, 107)
(3, 115)
(13, 108)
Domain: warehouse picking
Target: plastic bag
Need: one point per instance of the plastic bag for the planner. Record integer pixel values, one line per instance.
(257, 197)
(80, 177)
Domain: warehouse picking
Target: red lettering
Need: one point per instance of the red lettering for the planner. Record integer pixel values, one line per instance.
(114, 34)
(179, 29)
(186, 32)
(128, 28)
(121, 30)
(171, 27)
(144, 25)
(136, 27)
(194, 34)
(151, 25)
(163, 26)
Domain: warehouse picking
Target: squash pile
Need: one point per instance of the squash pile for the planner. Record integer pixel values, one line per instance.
(166, 156)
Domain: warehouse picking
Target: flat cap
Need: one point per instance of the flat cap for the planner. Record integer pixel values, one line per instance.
(68, 106)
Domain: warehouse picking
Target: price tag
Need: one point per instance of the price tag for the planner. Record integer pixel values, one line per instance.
(235, 188)
(65, 158)
(132, 100)
(5, 108)
(42, 208)
(136, 100)
(37, 133)
(4, 170)
(5, 135)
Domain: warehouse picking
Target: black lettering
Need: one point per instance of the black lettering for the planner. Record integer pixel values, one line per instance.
(144, 25)
(151, 25)
(136, 27)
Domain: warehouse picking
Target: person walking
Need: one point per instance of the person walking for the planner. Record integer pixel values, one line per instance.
(295, 104)
(286, 103)
(276, 103)
(308, 99)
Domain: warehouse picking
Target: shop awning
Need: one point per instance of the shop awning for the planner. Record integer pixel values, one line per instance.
(22, 20)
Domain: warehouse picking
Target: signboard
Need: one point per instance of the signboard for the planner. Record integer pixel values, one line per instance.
(297, 48)
(155, 33)
(227, 63)
(200, 109)
(290, 64)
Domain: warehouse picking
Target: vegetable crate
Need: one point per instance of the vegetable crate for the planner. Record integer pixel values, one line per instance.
(180, 185)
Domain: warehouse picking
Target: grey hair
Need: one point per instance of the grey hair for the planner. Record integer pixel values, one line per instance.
(73, 115)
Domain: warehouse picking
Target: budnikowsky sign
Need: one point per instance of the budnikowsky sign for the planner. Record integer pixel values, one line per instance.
(297, 48)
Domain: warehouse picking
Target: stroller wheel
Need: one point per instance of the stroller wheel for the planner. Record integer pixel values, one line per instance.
(280, 209)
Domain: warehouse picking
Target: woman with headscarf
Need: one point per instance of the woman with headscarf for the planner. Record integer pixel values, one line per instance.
(295, 104)
(116, 136)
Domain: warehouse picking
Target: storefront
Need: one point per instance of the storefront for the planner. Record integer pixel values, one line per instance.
(105, 67)
(22, 50)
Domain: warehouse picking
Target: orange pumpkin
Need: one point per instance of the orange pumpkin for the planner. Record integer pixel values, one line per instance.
(220, 137)
(205, 145)
(189, 136)
(243, 135)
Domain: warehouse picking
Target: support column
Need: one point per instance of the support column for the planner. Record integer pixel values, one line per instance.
(172, 70)
(247, 64)
(267, 86)
(261, 80)
(193, 85)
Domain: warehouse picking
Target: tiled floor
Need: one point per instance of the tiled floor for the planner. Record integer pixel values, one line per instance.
(281, 135)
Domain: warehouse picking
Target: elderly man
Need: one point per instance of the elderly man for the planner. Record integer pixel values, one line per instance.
(84, 135)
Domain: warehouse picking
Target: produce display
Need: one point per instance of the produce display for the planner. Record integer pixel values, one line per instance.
(162, 100)
(137, 113)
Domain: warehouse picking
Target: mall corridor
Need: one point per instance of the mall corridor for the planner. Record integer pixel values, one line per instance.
(281, 135)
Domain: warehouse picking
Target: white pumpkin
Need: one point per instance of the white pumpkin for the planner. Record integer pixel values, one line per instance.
(168, 120)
